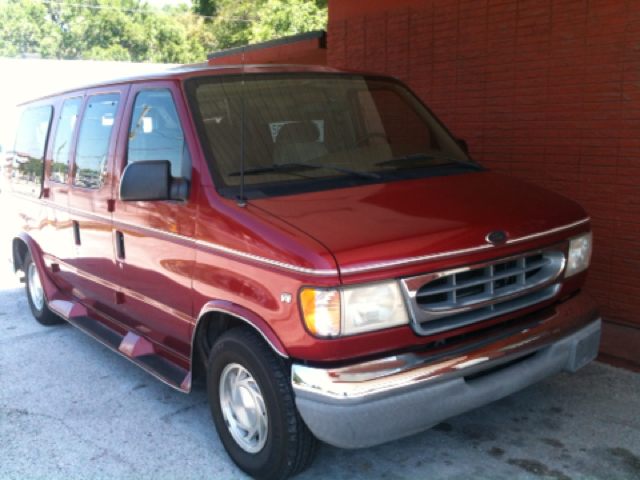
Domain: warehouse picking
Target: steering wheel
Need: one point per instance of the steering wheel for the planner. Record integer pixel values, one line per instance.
(370, 135)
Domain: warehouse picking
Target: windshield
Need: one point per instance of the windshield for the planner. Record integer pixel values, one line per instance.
(303, 132)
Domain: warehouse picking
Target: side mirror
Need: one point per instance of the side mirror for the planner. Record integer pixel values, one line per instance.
(146, 181)
(179, 189)
(152, 181)
(462, 143)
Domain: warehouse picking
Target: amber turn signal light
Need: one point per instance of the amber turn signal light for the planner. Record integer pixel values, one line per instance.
(321, 311)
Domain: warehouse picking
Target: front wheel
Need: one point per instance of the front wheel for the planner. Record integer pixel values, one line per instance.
(254, 409)
(36, 296)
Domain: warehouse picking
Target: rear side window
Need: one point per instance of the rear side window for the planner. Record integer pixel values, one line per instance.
(27, 169)
(156, 134)
(92, 152)
(64, 137)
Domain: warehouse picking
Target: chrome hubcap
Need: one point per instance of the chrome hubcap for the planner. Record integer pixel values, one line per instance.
(35, 287)
(243, 408)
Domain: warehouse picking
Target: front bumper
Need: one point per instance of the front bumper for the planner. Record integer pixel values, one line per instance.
(375, 402)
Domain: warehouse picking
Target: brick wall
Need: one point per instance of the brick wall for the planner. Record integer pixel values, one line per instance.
(545, 90)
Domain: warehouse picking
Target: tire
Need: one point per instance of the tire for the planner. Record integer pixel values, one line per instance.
(241, 363)
(35, 295)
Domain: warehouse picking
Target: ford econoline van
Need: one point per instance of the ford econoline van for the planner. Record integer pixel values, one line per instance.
(313, 242)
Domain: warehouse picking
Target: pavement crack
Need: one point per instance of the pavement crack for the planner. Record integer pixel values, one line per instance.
(27, 336)
(615, 421)
(168, 416)
(73, 431)
(29, 413)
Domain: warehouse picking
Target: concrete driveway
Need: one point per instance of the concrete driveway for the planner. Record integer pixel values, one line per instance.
(71, 409)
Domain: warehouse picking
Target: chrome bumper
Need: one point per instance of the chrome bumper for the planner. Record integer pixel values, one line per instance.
(375, 402)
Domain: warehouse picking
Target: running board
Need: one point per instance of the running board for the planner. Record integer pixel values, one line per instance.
(134, 347)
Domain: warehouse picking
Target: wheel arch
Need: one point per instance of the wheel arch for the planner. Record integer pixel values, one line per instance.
(23, 244)
(218, 316)
(19, 250)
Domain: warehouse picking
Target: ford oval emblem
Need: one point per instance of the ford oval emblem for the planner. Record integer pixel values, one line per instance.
(495, 237)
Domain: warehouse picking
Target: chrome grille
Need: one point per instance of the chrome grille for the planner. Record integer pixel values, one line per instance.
(450, 299)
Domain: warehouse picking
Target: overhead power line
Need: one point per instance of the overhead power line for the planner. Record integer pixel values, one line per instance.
(161, 12)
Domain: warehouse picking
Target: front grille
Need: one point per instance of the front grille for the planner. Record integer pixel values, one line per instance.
(453, 298)
(462, 289)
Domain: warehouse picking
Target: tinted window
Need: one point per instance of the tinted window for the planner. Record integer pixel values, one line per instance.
(156, 134)
(305, 132)
(93, 142)
(28, 158)
(386, 118)
(64, 137)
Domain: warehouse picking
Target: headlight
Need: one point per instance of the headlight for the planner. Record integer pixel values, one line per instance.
(353, 310)
(372, 308)
(579, 254)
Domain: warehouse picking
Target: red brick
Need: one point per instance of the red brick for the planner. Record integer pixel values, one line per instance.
(623, 298)
(528, 34)
(604, 160)
(528, 8)
(562, 153)
(569, 3)
(553, 99)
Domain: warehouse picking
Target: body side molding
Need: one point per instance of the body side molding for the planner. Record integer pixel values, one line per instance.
(256, 259)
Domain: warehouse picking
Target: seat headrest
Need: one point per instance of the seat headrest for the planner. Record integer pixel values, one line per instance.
(300, 132)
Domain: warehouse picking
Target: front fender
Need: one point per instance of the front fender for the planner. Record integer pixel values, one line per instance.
(246, 316)
(36, 254)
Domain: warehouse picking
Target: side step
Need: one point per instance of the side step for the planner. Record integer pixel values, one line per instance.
(134, 347)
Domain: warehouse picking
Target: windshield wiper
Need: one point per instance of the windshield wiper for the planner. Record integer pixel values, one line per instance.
(422, 156)
(285, 167)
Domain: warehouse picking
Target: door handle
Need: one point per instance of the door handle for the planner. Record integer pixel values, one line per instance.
(120, 245)
(76, 232)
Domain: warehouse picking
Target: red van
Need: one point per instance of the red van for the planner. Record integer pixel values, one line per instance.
(313, 241)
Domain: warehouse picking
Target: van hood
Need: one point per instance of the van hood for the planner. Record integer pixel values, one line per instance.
(385, 223)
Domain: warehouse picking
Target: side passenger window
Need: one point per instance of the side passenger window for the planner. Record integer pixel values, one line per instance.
(156, 133)
(92, 151)
(31, 141)
(64, 137)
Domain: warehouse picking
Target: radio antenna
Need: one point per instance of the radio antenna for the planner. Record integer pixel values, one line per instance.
(242, 201)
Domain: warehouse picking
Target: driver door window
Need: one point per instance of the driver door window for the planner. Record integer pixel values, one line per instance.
(155, 132)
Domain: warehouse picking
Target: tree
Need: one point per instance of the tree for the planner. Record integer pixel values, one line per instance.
(232, 26)
(241, 22)
(280, 18)
(205, 7)
(120, 30)
(128, 30)
(26, 27)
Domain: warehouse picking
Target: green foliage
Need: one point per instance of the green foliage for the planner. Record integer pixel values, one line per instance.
(142, 34)
(114, 52)
(280, 18)
(233, 25)
(71, 32)
(26, 27)
(205, 7)
(241, 22)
